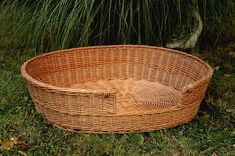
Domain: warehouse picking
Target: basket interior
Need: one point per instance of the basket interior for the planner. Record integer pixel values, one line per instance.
(144, 78)
(135, 96)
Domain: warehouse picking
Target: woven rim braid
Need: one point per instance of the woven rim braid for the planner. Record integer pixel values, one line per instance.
(119, 88)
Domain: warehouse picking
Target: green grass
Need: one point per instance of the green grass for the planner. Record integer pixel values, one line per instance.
(212, 130)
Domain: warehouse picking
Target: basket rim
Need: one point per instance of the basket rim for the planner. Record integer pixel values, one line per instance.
(74, 90)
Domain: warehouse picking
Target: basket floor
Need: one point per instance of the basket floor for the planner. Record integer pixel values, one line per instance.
(136, 96)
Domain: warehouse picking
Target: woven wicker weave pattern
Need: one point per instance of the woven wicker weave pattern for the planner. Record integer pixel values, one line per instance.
(117, 88)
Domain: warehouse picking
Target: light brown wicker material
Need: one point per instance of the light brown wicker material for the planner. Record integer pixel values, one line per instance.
(117, 88)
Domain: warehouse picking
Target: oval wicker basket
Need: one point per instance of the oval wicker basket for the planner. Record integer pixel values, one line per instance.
(119, 88)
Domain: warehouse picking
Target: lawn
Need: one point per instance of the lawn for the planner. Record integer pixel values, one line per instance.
(25, 132)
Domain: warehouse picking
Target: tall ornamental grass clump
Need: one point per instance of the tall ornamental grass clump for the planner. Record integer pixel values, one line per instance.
(51, 24)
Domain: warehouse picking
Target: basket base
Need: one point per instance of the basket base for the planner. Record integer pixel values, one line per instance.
(136, 96)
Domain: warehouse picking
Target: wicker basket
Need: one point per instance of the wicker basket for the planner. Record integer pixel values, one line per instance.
(119, 88)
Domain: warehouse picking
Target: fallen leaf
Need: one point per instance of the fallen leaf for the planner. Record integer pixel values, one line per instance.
(141, 139)
(217, 68)
(232, 54)
(22, 145)
(233, 134)
(214, 154)
(204, 113)
(25, 98)
(8, 143)
(22, 153)
(228, 95)
(230, 111)
(227, 75)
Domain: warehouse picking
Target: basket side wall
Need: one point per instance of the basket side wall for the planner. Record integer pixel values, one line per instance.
(119, 124)
(73, 104)
(82, 65)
